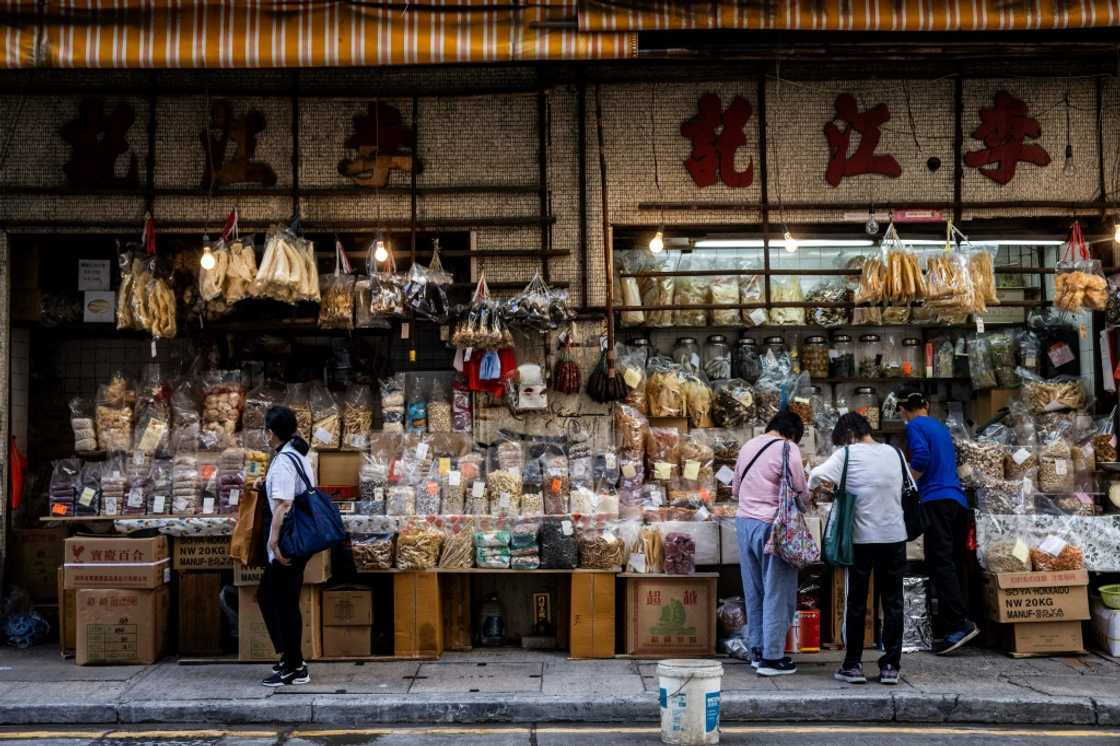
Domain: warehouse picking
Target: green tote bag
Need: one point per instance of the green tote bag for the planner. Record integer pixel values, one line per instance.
(838, 550)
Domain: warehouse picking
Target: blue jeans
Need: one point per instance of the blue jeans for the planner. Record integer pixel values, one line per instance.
(770, 585)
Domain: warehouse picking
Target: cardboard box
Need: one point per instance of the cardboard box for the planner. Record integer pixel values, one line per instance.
(67, 616)
(1106, 627)
(202, 553)
(318, 571)
(592, 615)
(338, 473)
(838, 606)
(122, 626)
(253, 642)
(201, 618)
(116, 562)
(990, 401)
(455, 597)
(1044, 638)
(347, 642)
(1037, 596)
(347, 606)
(36, 554)
(668, 616)
(417, 615)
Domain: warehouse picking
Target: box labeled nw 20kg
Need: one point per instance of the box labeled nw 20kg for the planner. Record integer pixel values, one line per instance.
(1016, 597)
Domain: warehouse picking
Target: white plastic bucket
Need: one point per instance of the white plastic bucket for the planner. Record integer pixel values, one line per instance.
(689, 696)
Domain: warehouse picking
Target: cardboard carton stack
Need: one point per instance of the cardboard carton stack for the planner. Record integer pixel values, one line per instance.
(253, 642)
(1039, 612)
(347, 622)
(122, 602)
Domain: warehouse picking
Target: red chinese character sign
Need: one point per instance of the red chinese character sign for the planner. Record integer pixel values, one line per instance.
(1004, 129)
(716, 135)
(863, 160)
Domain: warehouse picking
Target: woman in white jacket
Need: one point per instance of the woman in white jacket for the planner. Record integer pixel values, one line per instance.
(875, 478)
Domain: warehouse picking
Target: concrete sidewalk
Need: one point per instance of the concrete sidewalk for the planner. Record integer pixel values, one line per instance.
(977, 686)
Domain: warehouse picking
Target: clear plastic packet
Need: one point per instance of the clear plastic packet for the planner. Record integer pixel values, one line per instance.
(537, 307)
(472, 473)
(161, 476)
(690, 291)
(600, 546)
(605, 470)
(698, 400)
(87, 501)
(326, 426)
(81, 423)
(418, 544)
(523, 537)
(287, 271)
(724, 291)
(336, 306)
(208, 479)
(64, 487)
(629, 291)
(824, 313)
(138, 485)
(222, 400)
(373, 484)
(752, 291)
(555, 480)
(632, 365)
(240, 271)
(231, 480)
(697, 467)
(401, 500)
(1057, 553)
(734, 403)
(416, 412)
(680, 554)
(1104, 439)
(393, 403)
(429, 491)
(1003, 347)
(153, 429)
(1079, 283)
(725, 452)
(439, 409)
(113, 486)
(425, 290)
(559, 546)
(357, 418)
(663, 445)
(1055, 462)
(1052, 395)
(125, 319)
(257, 403)
(647, 551)
(114, 412)
(1030, 350)
(659, 291)
(1007, 553)
(492, 543)
(871, 288)
(1020, 462)
(787, 290)
(462, 415)
(373, 551)
(185, 418)
(1002, 496)
(980, 369)
(458, 542)
(504, 477)
(386, 291)
(665, 389)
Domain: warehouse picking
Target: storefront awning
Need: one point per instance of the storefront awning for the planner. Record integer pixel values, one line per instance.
(849, 15)
(281, 33)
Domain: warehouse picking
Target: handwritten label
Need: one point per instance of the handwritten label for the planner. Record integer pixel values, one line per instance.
(159, 504)
(454, 478)
(629, 471)
(632, 377)
(691, 470)
(86, 498)
(422, 451)
(979, 325)
(207, 505)
(1060, 467)
(662, 471)
(135, 498)
(323, 435)
(503, 500)
(234, 497)
(1052, 545)
(566, 528)
(637, 562)
(725, 474)
(1020, 456)
(479, 489)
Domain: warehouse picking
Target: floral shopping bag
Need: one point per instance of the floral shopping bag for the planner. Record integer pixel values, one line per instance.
(790, 539)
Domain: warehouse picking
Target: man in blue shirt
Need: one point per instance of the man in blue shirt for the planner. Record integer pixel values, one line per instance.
(933, 460)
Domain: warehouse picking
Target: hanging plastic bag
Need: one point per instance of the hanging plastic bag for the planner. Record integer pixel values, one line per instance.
(426, 289)
(386, 290)
(1079, 283)
(336, 309)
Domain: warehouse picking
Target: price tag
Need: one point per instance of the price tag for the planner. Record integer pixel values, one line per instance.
(657, 497)
(1060, 354)
(412, 356)
(833, 354)
(109, 507)
(555, 485)
(842, 411)
(433, 489)
(159, 504)
(566, 528)
(609, 537)
(207, 505)
(322, 435)
(979, 325)
(404, 330)
(1020, 456)
(629, 471)
(632, 377)
(479, 489)
(454, 478)
(637, 562)
(662, 471)
(1052, 545)
(611, 461)
(758, 316)
(702, 514)
(1021, 551)
(1028, 486)
(154, 348)
(725, 474)
(138, 458)
(234, 497)
(86, 498)
(503, 500)
(135, 498)
(695, 361)
(1060, 467)
(691, 470)
(422, 451)
(444, 466)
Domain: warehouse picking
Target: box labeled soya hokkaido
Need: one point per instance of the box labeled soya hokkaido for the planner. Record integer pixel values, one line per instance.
(116, 562)
(318, 570)
(1038, 596)
(202, 553)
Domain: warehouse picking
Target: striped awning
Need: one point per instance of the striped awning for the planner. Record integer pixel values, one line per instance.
(282, 33)
(848, 15)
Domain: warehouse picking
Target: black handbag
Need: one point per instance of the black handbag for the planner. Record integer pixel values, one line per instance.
(912, 512)
(313, 524)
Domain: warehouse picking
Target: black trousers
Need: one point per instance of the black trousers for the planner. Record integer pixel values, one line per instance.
(278, 596)
(888, 562)
(945, 539)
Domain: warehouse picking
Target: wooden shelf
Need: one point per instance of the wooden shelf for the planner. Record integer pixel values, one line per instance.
(667, 575)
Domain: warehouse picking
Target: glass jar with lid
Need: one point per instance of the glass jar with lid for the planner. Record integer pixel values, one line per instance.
(686, 353)
(869, 357)
(866, 402)
(640, 344)
(744, 361)
(717, 358)
(814, 356)
(913, 364)
(842, 357)
(775, 356)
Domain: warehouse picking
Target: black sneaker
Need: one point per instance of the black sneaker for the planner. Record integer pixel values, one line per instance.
(279, 665)
(287, 678)
(888, 675)
(756, 658)
(781, 667)
(851, 674)
(958, 639)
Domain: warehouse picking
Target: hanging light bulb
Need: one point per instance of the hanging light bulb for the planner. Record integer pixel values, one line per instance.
(1068, 168)
(789, 242)
(1116, 235)
(380, 252)
(207, 260)
(871, 227)
(657, 243)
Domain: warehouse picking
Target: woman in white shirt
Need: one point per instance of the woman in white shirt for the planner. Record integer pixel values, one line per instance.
(281, 585)
(875, 478)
